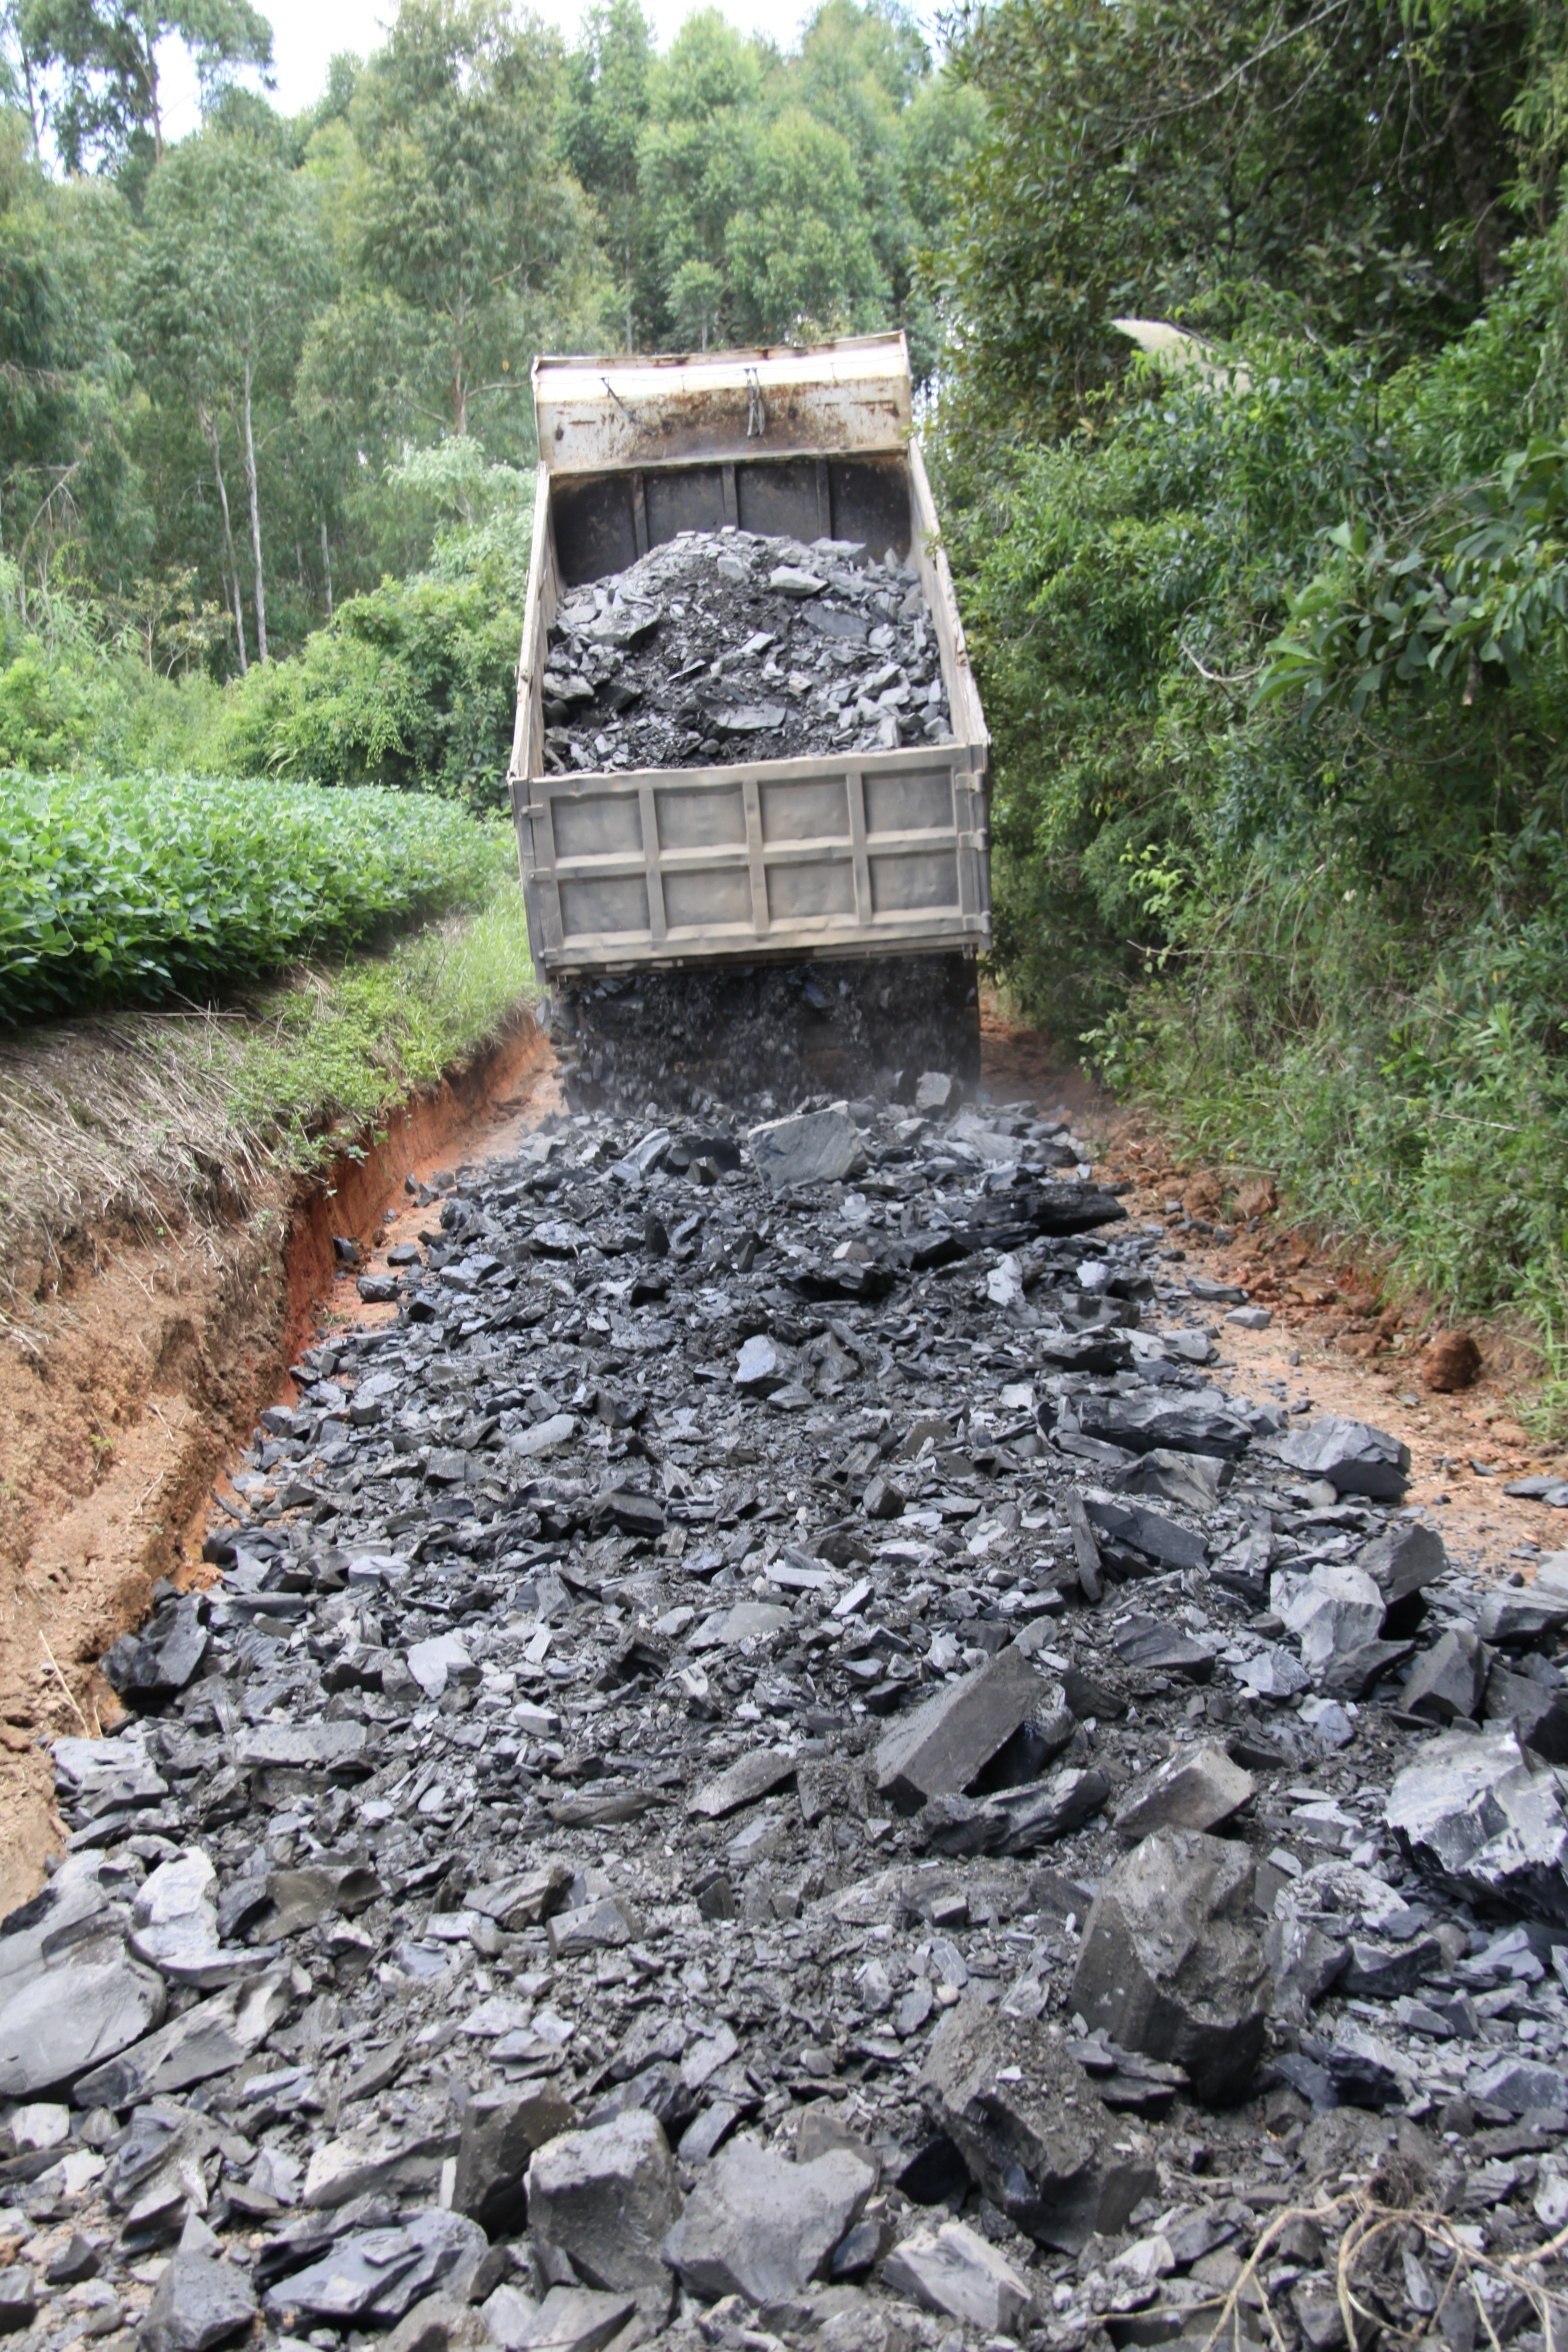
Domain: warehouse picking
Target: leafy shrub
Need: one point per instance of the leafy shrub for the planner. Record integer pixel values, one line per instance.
(412, 686)
(129, 889)
(43, 713)
(1278, 679)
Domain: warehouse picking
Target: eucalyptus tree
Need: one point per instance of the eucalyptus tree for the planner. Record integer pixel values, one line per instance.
(607, 97)
(467, 233)
(234, 259)
(96, 67)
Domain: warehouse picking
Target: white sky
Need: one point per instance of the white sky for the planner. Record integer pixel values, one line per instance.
(307, 35)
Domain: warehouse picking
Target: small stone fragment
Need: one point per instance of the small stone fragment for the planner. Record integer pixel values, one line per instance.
(19, 2298)
(953, 2270)
(442, 1659)
(939, 1748)
(1403, 1560)
(1535, 1704)
(500, 2132)
(53, 2027)
(758, 2226)
(1195, 1789)
(375, 2276)
(751, 1776)
(1484, 1815)
(1336, 1611)
(1517, 1617)
(1354, 1457)
(819, 1147)
(196, 2304)
(439, 2324)
(1033, 2136)
(1448, 1679)
(1134, 1526)
(152, 1667)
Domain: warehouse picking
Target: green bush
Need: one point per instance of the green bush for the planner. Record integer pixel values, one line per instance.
(1277, 672)
(412, 686)
(131, 889)
(43, 713)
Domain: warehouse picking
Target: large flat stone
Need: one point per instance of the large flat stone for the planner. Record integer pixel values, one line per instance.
(1354, 1457)
(818, 1147)
(54, 2026)
(952, 2269)
(1197, 1788)
(372, 2277)
(201, 2042)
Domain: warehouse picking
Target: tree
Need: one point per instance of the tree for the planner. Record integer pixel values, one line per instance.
(704, 98)
(802, 260)
(777, 187)
(233, 257)
(18, 70)
(606, 108)
(466, 230)
(1193, 158)
(65, 481)
(99, 64)
(859, 71)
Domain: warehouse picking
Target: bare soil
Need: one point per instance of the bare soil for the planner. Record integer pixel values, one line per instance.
(137, 1382)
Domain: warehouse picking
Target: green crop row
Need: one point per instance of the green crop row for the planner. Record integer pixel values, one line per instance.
(135, 889)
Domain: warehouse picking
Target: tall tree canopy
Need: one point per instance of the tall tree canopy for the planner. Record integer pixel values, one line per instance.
(96, 63)
(463, 220)
(1186, 158)
(219, 354)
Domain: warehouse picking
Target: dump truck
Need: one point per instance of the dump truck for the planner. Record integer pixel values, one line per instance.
(748, 921)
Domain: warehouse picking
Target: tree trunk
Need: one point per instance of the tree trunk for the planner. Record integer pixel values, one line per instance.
(31, 95)
(326, 564)
(209, 425)
(1479, 169)
(255, 520)
(149, 65)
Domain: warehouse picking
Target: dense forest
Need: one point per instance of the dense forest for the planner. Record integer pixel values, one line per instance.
(1271, 613)
(275, 376)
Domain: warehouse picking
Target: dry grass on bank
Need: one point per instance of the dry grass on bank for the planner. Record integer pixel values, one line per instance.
(133, 1121)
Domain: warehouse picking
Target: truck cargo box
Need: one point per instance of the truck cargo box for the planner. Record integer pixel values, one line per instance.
(855, 854)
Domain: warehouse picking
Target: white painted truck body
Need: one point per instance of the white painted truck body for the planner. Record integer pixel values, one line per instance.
(847, 854)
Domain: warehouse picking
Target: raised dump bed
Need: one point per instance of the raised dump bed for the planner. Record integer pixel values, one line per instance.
(848, 854)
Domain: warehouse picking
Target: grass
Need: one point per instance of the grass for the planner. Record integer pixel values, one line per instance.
(346, 1045)
(1427, 1139)
(137, 1119)
(134, 889)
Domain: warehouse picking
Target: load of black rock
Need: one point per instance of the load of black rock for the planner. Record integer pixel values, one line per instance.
(774, 1762)
(723, 646)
